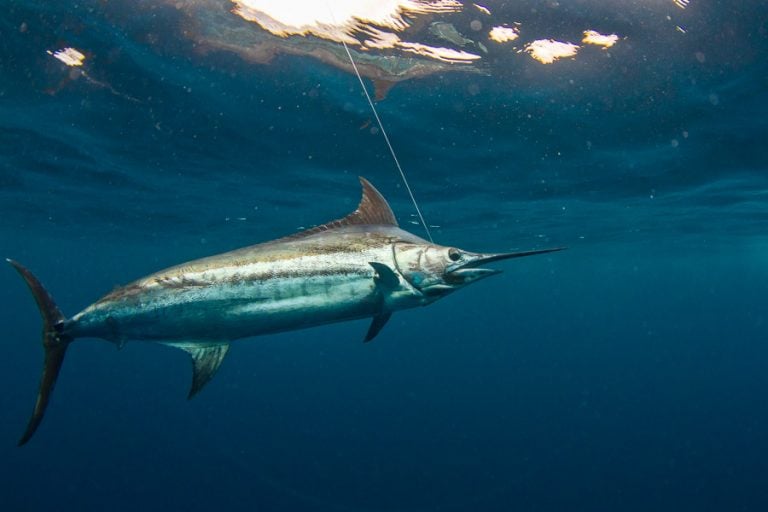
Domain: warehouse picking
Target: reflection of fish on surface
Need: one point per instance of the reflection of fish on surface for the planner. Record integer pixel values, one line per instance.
(385, 71)
(214, 28)
(360, 266)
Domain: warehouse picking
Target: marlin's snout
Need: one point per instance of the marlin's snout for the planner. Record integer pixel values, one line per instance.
(469, 269)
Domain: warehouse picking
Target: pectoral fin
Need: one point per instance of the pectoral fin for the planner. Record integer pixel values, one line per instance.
(387, 280)
(385, 276)
(206, 359)
(378, 322)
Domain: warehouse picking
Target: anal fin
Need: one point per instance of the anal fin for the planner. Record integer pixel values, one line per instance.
(206, 359)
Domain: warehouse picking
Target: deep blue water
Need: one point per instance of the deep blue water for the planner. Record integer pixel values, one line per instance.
(627, 373)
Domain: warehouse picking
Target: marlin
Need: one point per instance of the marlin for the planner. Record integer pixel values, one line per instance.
(359, 266)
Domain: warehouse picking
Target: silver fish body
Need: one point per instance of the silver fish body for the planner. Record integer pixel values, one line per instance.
(272, 287)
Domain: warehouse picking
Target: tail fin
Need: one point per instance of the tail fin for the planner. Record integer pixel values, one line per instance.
(55, 343)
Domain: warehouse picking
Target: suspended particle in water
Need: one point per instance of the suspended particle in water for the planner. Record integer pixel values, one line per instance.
(75, 59)
(69, 56)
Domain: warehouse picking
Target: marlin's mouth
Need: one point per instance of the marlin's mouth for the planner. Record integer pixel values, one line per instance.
(469, 269)
(466, 275)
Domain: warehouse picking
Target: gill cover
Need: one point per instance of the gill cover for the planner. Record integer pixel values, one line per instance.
(423, 266)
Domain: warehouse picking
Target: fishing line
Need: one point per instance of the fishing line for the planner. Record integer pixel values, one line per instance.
(383, 131)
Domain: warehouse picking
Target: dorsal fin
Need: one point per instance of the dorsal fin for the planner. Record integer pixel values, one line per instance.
(372, 210)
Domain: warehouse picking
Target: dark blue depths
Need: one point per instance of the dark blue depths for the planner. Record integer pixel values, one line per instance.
(627, 373)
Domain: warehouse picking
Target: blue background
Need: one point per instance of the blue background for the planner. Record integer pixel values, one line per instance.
(627, 373)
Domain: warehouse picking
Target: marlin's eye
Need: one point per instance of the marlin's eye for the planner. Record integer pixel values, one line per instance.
(454, 254)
